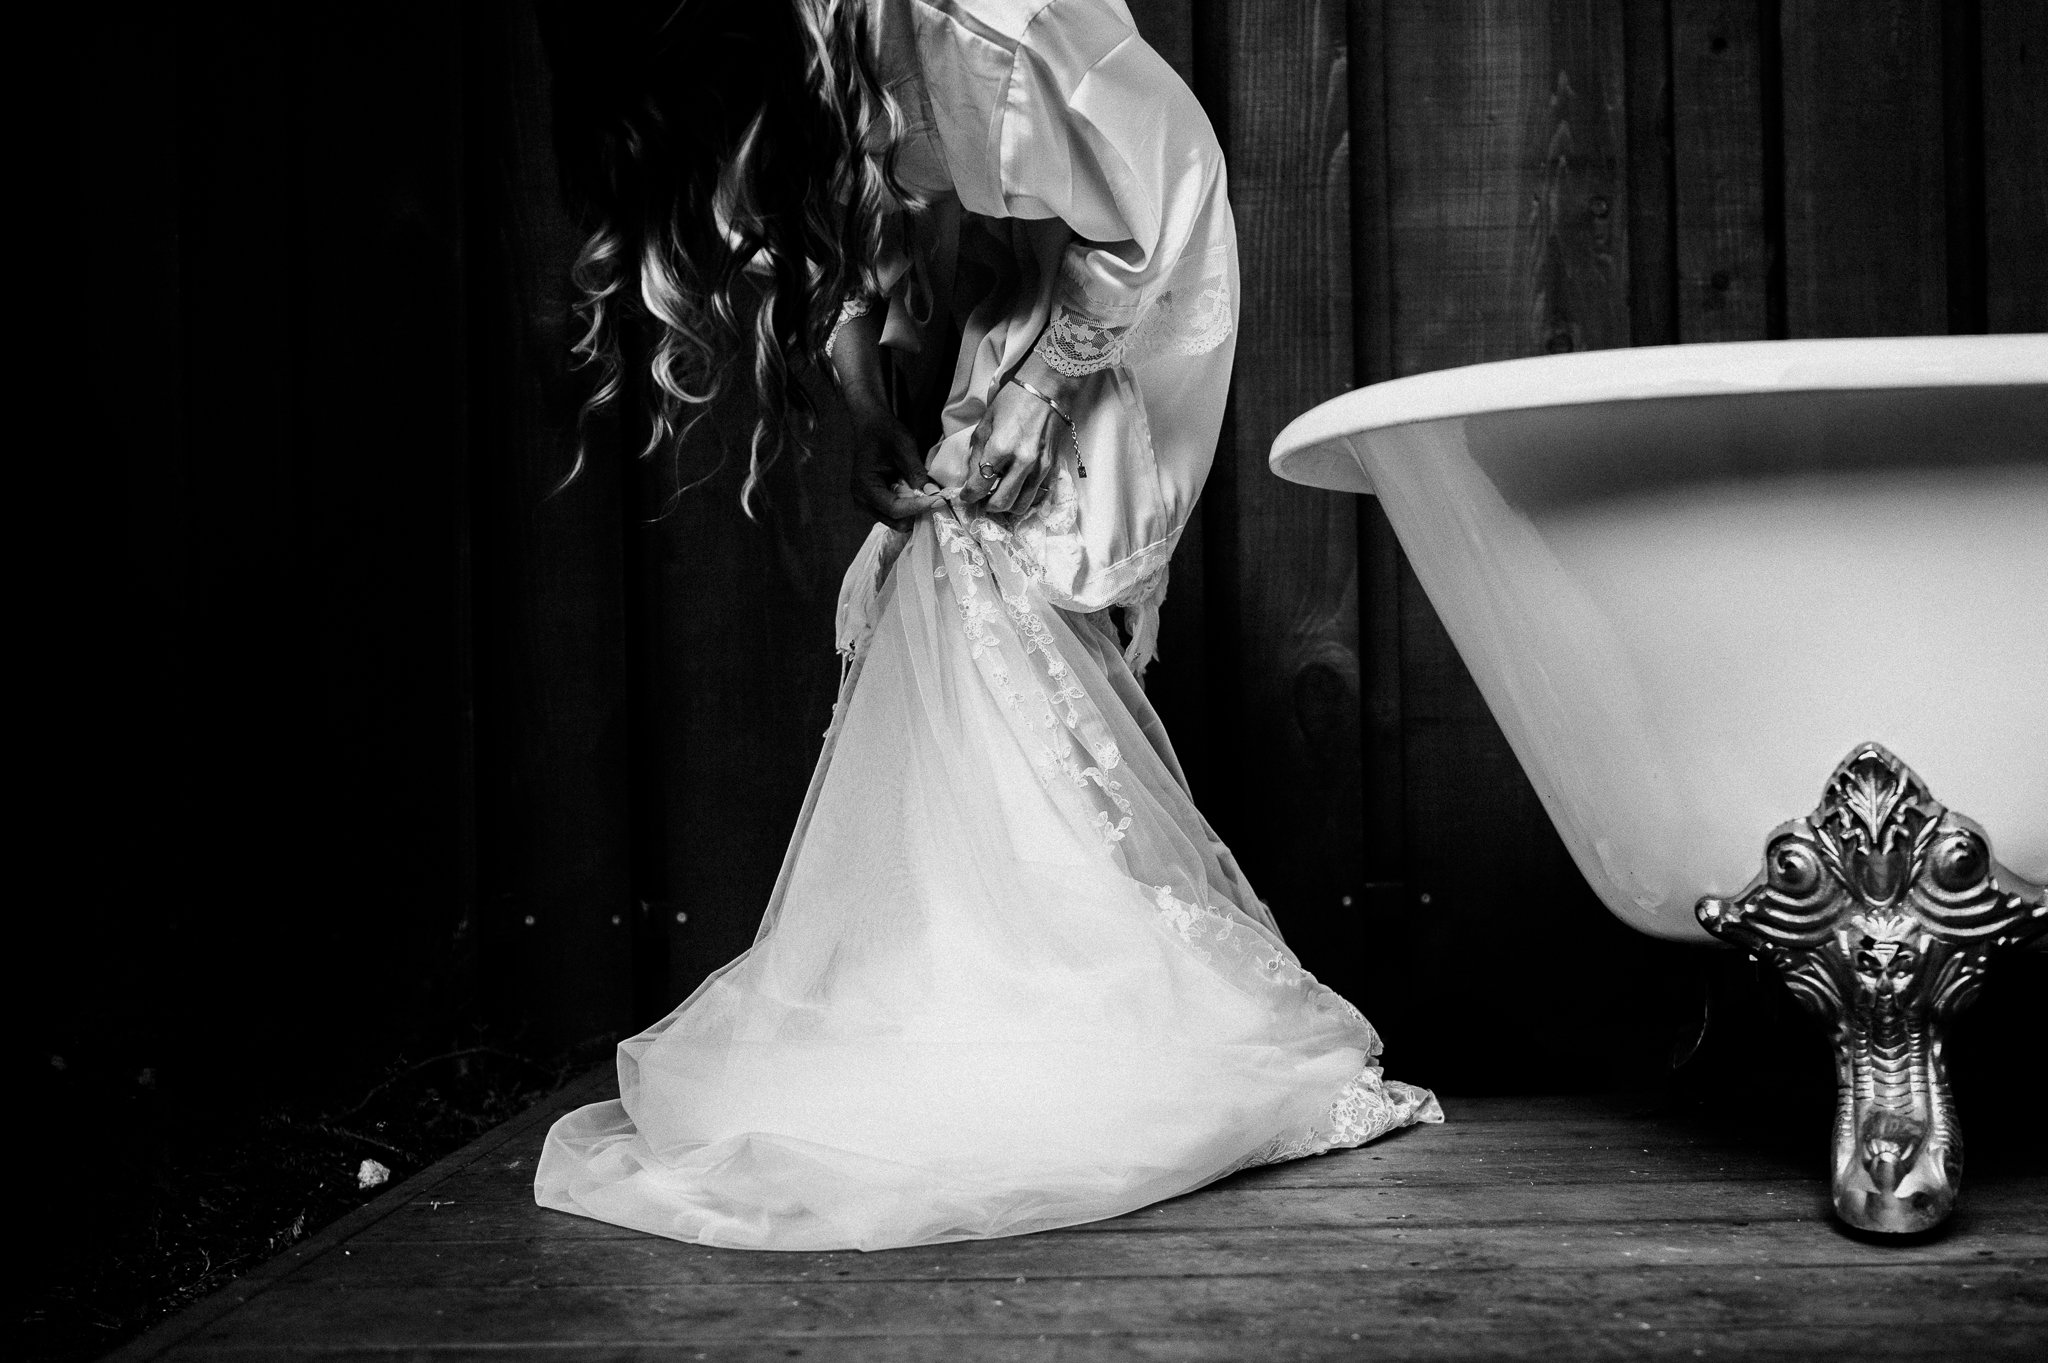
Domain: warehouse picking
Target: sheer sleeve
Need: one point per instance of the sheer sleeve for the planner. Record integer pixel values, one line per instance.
(856, 306)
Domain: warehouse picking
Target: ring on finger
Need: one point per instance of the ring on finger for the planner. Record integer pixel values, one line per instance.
(988, 470)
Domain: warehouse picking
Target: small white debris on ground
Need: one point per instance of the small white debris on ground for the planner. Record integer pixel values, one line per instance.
(372, 1175)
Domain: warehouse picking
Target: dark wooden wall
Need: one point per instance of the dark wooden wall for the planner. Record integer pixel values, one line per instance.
(385, 737)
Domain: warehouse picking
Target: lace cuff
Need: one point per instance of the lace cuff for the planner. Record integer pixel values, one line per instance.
(1187, 321)
(860, 305)
(1075, 345)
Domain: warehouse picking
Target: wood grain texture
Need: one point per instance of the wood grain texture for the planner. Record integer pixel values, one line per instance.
(590, 1086)
(1426, 1341)
(1231, 1208)
(1724, 253)
(1865, 225)
(1169, 27)
(2015, 124)
(1178, 682)
(1620, 1242)
(1507, 157)
(1383, 904)
(1382, 1307)
(1652, 191)
(1507, 161)
(1287, 555)
(1253, 1251)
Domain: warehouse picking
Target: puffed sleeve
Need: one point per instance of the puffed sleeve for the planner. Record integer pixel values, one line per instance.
(1098, 132)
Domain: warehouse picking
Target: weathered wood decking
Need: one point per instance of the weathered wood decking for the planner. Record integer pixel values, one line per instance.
(1560, 1228)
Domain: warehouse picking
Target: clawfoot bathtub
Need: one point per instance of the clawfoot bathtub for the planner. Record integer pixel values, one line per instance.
(1703, 586)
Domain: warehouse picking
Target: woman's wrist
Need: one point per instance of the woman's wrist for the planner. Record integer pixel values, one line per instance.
(1062, 388)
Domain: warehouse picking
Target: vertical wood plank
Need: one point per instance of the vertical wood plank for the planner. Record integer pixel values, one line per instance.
(1962, 126)
(1507, 162)
(1652, 191)
(2015, 73)
(1169, 27)
(1865, 226)
(1289, 554)
(1383, 902)
(1177, 683)
(1506, 165)
(1724, 253)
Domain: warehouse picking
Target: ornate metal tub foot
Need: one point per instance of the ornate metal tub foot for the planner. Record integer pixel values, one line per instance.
(1882, 909)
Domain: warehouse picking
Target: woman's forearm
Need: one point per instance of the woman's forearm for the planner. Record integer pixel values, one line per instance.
(857, 362)
(1042, 376)
(857, 367)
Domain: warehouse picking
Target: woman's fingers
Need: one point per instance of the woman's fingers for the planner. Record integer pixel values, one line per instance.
(1035, 486)
(894, 506)
(984, 478)
(910, 463)
(1014, 450)
(887, 490)
(881, 504)
(984, 467)
(1022, 474)
(887, 471)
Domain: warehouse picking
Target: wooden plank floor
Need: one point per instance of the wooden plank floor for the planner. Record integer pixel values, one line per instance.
(1557, 1228)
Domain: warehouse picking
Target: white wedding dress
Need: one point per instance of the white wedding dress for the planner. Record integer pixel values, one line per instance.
(1009, 978)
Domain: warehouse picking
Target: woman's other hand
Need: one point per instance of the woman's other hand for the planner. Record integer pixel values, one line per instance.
(1015, 448)
(889, 477)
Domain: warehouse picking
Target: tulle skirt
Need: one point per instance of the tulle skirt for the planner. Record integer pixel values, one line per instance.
(1009, 978)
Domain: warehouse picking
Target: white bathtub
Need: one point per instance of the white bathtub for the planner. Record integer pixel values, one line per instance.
(1690, 579)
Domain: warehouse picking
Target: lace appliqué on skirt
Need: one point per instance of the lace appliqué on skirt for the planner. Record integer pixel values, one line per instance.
(1367, 1108)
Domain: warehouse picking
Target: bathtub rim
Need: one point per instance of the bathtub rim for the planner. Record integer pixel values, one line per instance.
(1315, 448)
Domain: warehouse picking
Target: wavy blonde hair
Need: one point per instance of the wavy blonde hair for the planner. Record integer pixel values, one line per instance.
(736, 162)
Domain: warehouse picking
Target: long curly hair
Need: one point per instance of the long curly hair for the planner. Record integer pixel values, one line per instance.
(733, 161)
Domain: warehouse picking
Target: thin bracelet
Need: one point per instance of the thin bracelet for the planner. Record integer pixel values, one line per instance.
(1073, 431)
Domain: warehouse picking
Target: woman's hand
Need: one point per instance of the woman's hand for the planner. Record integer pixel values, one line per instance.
(1014, 450)
(889, 477)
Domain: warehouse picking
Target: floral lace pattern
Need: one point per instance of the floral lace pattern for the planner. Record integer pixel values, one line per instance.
(1071, 747)
(1364, 1110)
(1075, 345)
(992, 583)
(1193, 322)
(1199, 926)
